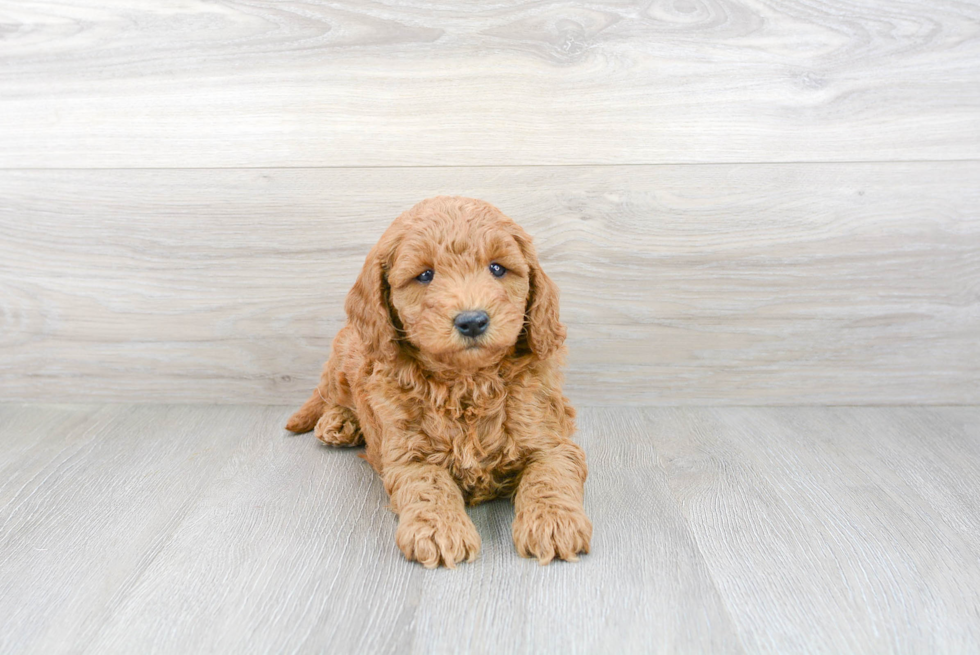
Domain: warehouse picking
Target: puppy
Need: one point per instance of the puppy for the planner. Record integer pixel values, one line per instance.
(448, 371)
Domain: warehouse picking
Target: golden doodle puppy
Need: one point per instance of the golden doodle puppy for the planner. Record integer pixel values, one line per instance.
(448, 371)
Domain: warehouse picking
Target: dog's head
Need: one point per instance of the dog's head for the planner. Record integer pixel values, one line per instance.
(457, 283)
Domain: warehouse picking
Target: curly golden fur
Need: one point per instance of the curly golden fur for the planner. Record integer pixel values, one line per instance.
(450, 418)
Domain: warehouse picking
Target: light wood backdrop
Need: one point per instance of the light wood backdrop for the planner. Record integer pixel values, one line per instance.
(743, 202)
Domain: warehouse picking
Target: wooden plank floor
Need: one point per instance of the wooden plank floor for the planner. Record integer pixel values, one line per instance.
(171, 529)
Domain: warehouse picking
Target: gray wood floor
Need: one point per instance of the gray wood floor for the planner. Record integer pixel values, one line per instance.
(128, 529)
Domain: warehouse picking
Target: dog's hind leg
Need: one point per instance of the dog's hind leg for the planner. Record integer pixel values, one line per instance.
(339, 427)
(327, 408)
(306, 416)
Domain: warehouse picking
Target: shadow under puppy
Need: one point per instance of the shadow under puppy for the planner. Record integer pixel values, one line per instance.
(448, 370)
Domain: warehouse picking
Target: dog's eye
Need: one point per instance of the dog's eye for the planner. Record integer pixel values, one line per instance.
(497, 269)
(425, 276)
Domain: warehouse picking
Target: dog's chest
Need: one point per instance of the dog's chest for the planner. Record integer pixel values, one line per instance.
(478, 451)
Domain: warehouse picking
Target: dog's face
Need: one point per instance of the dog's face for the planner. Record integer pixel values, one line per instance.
(460, 283)
(459, 288)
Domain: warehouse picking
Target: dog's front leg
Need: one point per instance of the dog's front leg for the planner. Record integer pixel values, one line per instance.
(549, 520)
(433, 527)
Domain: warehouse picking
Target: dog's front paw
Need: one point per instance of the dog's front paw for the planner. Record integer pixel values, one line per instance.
(435, 538)
(546, 531)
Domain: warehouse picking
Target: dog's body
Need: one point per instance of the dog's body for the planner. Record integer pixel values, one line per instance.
(449, 372)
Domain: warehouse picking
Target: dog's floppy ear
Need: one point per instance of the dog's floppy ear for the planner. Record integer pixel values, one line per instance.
(543, 332)
(368, 305)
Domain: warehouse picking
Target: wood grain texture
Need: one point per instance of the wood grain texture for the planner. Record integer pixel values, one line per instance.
(282, 545)
(90, 505)
(811, 550)
(917, 451)
(765, 530)
(109, 83)
(732, 284)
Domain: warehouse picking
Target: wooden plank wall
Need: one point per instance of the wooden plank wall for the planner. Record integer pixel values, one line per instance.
(743, 202)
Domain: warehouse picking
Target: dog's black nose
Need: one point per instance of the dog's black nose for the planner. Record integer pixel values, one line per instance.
(472, 324)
